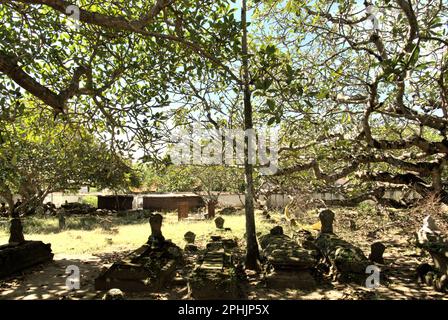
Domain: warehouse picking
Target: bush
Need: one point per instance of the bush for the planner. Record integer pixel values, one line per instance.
(90, 200)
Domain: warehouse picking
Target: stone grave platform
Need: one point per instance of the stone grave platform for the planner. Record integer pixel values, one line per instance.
(346, 261)
(149, 268)
(287, 264)
(15, 257)
(146, 269)
(215, 277)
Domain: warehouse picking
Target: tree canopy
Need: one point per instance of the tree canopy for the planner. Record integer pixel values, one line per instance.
(39, 155)
(357, 90)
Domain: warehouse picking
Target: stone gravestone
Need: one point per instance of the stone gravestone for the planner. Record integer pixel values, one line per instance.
(16, 231)
(156, 238)
(149, 268)
(376, 252)
(219, 223)
(189, 237)
(277, 231)
(326, 219)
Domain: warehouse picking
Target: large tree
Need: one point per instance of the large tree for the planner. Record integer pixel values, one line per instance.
(363, 89)
(120, 64)
(39, 155)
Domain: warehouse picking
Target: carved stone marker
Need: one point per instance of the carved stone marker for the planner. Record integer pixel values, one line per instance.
(276, 231)
(376, 252)
(219, 223)
(189, 237)
(16, 231)
(156, 236)
(326, 219)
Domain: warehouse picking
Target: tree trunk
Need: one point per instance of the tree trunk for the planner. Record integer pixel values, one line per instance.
(252, 253)
(211, 208)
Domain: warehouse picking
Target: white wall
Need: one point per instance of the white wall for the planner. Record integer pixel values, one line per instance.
(231, 200)
(225, 199)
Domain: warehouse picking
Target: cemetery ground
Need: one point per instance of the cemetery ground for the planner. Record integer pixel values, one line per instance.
(94, 242)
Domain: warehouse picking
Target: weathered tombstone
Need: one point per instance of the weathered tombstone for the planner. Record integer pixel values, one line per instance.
(376, 252)
(15, 257)
(219, 223)
(189, 237)
(326, 219)
(16, 231)
(156, 238)
(289, 265)
(276, 231)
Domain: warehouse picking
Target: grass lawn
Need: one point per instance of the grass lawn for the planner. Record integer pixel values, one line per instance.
(93, 234)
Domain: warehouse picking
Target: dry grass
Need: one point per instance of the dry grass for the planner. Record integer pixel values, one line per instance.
(127, 233)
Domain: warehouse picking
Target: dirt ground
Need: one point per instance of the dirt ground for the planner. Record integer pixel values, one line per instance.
(398, 278)
(48, 281)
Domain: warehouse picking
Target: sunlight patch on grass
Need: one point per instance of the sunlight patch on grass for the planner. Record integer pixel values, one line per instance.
(125, 234)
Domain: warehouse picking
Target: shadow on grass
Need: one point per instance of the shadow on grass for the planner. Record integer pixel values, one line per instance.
(48, 281)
